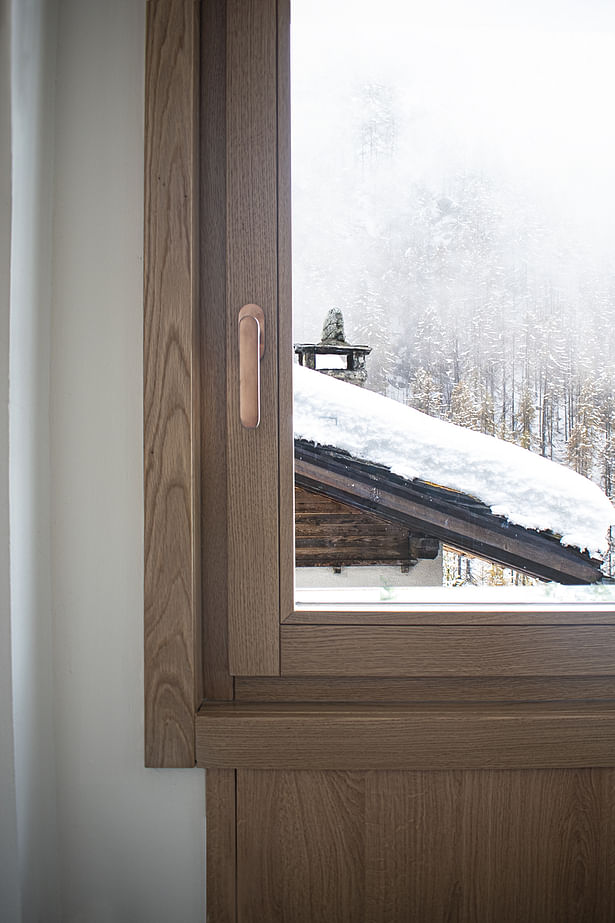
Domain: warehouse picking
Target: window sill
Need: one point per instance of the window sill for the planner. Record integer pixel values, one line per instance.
(406, 737)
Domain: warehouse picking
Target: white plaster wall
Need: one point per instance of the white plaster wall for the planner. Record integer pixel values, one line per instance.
(101, 839)
(9, 864)
(424, 573)
(131, 839)
(32, 73)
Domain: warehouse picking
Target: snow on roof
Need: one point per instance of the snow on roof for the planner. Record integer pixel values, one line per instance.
(525, 488)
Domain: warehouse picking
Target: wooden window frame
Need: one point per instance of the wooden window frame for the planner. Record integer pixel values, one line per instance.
(219, 616)
(172, 673)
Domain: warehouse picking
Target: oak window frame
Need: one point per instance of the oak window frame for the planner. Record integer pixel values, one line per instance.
(219, 613)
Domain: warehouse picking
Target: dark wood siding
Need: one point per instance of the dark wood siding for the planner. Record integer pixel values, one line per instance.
(332, 534)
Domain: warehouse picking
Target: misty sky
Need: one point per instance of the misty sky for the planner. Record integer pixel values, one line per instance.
(521, 91)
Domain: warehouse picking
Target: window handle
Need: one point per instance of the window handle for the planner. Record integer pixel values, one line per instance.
(251, 351)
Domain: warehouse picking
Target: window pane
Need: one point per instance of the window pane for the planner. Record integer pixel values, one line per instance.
(454, 299)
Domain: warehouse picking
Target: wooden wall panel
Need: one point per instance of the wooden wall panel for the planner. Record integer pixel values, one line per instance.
(413, 830)
(172, 673)
(329, 534)
(252, 278)
(220, 796)
(435, 847)
(503, 846)
(300, 847)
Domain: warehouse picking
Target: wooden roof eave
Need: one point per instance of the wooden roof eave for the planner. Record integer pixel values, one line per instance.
(452, 517)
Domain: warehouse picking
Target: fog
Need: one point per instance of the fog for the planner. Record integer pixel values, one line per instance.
(520, 94)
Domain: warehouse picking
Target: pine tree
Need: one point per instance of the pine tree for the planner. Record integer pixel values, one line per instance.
(582, 444)
(608, 466)
(526, 414)
(496, 575)
(486, 418)
(463, 411)
(425, 394)
(376, 129)
(374, 331)
(472, 405)
(606, 410)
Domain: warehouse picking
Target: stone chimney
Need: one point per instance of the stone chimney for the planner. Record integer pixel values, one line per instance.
(333, 355)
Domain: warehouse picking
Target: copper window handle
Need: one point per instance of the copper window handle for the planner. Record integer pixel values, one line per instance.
(251, 351)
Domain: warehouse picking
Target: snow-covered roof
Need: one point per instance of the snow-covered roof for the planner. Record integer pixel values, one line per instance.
(525, 488)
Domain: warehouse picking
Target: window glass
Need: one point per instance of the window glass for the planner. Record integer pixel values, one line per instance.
(453, 206)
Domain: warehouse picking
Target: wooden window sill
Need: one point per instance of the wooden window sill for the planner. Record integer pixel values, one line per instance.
(393, 736)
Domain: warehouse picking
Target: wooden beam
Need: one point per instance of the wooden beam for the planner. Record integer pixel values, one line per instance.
(415, 737)
(449, 516)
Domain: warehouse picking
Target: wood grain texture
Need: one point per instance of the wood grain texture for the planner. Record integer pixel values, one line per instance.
(312, 829)
(172, 677)
(503, 846)
(217, 681)
(406, 736)
(455, 519)
(285, 319)
(456, 614)
(221, 845)
(395, 847)
(329, 533)
(424, 689)
(504, 650)
(252, 277)
(416, 814)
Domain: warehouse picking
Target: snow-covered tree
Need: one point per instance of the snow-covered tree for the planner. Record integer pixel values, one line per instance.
(376, 130)
(526, 414)
(582, 445)
(472, 405)
(425, 394)
(463, 411)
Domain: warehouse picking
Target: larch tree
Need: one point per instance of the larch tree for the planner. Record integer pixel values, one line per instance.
(425, 395)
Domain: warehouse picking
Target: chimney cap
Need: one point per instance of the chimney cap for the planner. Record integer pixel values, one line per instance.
(333, 344)
(332, 338)
(333, 329)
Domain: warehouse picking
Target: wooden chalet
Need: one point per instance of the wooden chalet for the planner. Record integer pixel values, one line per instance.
(351, 512)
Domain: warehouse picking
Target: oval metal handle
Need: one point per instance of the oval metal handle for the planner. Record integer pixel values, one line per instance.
(251, 351)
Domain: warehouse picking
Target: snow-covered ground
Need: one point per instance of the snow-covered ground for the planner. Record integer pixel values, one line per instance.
(527, 489)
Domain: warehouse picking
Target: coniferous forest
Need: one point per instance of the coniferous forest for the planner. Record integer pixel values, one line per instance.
(476, 312)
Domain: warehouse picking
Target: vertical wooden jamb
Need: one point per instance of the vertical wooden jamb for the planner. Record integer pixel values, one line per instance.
(217, 681)
(197, 466)
(221, 871)
(218, 684)
(252, 461)
(285, 346)
(172, 677)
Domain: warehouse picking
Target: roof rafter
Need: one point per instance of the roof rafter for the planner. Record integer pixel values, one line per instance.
(451, 516)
